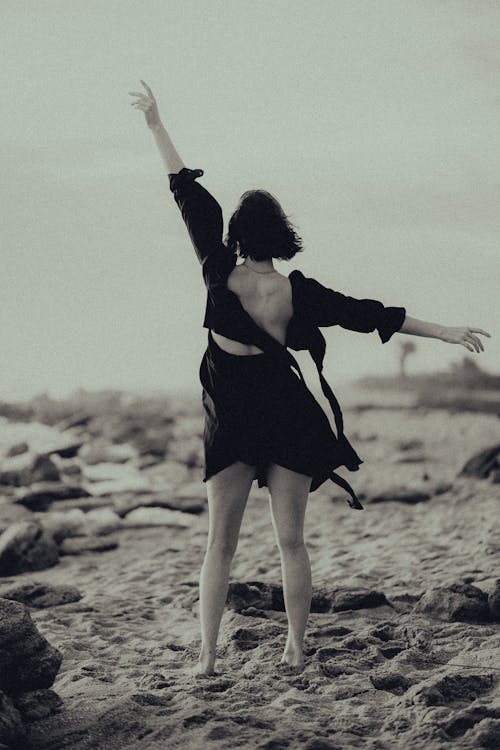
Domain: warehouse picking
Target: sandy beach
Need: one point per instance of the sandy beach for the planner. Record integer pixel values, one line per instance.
(391, 660)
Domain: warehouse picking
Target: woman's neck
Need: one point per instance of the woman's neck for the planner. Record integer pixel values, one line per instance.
(261, 266)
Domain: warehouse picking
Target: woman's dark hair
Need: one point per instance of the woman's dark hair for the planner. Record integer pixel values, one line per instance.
(260, 229)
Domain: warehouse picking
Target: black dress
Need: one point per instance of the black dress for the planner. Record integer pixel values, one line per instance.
(257, 408)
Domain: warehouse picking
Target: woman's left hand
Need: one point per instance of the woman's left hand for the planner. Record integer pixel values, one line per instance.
(464, 336)
(148, 105)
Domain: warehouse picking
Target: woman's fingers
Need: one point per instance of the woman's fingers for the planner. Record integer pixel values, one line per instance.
(147, 88)
(480, 330)
(138, 93)
(474, 340)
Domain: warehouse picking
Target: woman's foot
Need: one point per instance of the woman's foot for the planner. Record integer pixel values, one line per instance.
(205, 664)
(292, 657)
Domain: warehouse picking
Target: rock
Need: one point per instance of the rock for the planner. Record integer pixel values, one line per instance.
(43, 469)
(343, 599)
(158, 517)
(243, 596)
(412, 458)
(169, 475)
(495, 476)
(41, 595)
(15, 471)
(100, 451)
(107, 471)
(125, 503)
(146, 460)
(63, 524)
(12, 733)
(80, 419)
(483, 463)
(81, 544)
(37, 704)
(12, 513)
(28, 660)
(80, 503)
(26, 468)
(449, 689)
(409, 445)
(459, 602)
(153, 443)
(65, 450)
(102, 521)
(132, 483)
(26, 546)
(17, 449)
(401, 495)
(68, 467)
(494, 601)
(441, 488)
(41, 495)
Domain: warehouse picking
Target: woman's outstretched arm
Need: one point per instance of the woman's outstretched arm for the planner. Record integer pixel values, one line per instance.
(453, 335)
(147, 103)
(329, 307)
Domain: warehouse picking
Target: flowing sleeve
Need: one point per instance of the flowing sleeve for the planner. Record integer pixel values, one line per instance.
(327, 307)
(202, 216)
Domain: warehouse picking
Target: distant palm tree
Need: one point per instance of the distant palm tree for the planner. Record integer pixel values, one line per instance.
(406, 348)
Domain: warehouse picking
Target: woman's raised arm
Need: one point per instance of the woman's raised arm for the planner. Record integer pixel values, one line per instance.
(147, 103)
(200, 211)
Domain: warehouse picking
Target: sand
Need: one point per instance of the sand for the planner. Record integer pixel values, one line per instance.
(378, 677)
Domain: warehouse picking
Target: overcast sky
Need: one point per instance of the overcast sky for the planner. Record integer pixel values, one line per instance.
(376, 125)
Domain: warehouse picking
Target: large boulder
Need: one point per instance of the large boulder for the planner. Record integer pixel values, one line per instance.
(494, 601)
(12, 734)
(28, 667)
(26, 546)
(27, 660)
(459, 602)
(41, 595)
(12, 513)
(483, 463)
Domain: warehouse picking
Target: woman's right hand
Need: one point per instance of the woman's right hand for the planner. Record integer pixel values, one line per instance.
(464, 336)
(148, 105)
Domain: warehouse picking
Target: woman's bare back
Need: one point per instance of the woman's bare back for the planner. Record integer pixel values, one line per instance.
(267, 298)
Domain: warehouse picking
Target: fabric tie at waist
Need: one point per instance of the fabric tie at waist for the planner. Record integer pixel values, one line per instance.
(339, 422)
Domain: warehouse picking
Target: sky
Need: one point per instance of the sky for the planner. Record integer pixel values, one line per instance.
(376, 125)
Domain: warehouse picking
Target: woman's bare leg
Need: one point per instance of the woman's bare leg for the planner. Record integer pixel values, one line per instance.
(289, 492)
(227, 493)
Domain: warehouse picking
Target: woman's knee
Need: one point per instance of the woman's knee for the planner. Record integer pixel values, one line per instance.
(290, 541)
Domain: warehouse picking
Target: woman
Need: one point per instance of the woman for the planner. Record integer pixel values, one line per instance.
(261, 420)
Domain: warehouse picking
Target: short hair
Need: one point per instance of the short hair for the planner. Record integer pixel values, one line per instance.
(260, 229)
